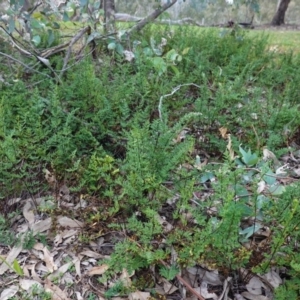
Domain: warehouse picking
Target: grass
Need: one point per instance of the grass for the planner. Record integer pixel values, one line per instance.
(285, 40)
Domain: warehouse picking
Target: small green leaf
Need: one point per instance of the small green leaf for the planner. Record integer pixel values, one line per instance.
(147, 51)
(93, 35)
(276, 189)
(270, 177)
(248, 158)
(169, 273)
(159, 64)
(119, 49)
(51, 37)
(11, 25)
(175, 70)
(111, 46)
(261, 201)
(66, 17)
(36, 40)
(35, 24)
(207, 176)
(17, 268)
(185, 51)
(55, 25)
(249, 231)
(83, 3)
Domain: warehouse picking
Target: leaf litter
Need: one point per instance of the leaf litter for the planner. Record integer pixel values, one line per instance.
(59, 265)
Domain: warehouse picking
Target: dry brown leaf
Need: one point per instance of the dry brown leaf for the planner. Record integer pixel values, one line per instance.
(223, 131)
(58, 239)
(57, 293)
(229, 148)
(211, 277)
(77, 265)
(41, 268)
(64, 193)
(13, 201)
(167, 227)
(68, 222)
(12, 255)
(203, 291)
(99, 270)
(34, 275)
(26, 284)
(261, 186)
(139, 296)
(9, 292)
(78, 296)
(239, 297)
(169, 288)
(50, 177)
(273, 278)
(41, 226)
(267, 154)
(255, 285)
(181, 136)
(296, 172)
(28, 213)
(92, 254)
(125, 278)
(62, 270)
(48, 259)
(254, 297)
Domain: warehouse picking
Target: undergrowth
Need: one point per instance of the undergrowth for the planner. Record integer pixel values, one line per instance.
(107, 132)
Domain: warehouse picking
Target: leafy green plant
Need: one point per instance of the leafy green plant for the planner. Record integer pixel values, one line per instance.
(15, 266)
(7, 237)
(169, 273)
(115, 290)
(36, 291)
(106, 132)
(100, 173)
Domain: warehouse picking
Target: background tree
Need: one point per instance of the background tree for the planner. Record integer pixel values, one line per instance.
(278, 18)
(109, 15)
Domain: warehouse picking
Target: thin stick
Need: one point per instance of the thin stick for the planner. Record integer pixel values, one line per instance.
(173, 92)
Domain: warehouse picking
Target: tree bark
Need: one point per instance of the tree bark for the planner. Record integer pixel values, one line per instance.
(278, 18)
(109, 15)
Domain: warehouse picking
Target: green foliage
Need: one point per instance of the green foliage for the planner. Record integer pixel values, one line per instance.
(99, 174)
(169, 273)
(30, 239)
(7, 237)
(115, 132)
(150, 158)
(290, 290)
(248, 158)
(115, 290)
(36, 292)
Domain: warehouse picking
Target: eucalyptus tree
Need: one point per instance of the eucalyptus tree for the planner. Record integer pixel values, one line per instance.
(279, 16)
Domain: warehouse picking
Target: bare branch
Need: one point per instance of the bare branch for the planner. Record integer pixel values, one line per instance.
(141, 24)
(24, 65)
(71, 43)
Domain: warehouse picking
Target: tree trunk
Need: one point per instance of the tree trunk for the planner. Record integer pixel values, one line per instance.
(109, 15)
(278, 19)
